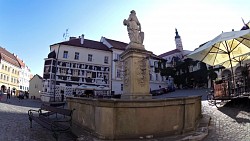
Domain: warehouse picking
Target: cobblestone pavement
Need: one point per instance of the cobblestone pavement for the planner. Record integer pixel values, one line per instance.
(227, 124)
(15, 125)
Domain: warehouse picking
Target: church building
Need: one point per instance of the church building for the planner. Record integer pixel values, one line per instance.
(176, 53)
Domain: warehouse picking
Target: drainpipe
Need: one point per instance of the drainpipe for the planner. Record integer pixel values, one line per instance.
(111, 71)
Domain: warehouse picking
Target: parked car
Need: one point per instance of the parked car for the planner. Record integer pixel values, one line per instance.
(171, 89)
(158, 91)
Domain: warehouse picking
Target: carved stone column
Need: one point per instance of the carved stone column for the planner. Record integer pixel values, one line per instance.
(136, 73)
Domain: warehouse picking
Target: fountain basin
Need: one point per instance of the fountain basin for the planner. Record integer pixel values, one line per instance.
(133, 119)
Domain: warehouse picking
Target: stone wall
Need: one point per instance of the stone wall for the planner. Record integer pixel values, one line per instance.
(132, 119)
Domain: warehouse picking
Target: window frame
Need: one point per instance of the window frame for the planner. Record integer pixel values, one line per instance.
(77, 55)
(90, 57)
(65, 54)
(106, 59)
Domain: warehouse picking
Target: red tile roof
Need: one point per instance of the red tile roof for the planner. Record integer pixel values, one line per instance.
(170, 52)
(8, 57)
(22, 64)
(117, 44)
(156, 57)
(87, 44)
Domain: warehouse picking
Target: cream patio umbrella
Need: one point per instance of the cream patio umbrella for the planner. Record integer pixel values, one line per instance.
(236, 60)
(223, 48)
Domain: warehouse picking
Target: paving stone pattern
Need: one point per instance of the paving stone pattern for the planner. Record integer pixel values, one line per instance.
(15, 125)
(227, 124)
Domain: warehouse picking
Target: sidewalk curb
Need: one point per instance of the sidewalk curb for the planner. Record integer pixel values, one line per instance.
(202, 130)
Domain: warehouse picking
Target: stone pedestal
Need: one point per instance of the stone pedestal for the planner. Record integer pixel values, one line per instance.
(136, 72)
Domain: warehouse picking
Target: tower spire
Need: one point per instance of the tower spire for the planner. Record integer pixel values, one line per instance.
(178, 42)
(176, 34)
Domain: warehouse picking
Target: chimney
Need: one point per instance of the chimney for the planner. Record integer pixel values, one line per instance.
(71, 38)
(82, 39)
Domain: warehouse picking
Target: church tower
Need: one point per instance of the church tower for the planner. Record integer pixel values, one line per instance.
(178, 42)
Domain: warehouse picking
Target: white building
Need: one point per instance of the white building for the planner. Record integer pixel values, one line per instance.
(24, 75)
(176, 53)
(74, 65)
(117, 47)
(9, 71)
(35, 86)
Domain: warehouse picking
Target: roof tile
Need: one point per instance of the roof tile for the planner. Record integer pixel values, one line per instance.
(86, 44)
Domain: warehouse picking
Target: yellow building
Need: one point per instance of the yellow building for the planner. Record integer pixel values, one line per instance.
(9, 71)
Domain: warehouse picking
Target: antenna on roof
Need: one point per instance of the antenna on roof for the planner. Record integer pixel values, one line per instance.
(65, 35)
(243, 21)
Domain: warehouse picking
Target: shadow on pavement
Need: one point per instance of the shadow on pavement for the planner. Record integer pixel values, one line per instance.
(238, 109)
(15, 126)
(32, 103)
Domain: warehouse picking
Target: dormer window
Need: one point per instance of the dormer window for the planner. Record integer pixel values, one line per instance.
(76, 55)
(65, 54)
(106, 59)
(90, 57)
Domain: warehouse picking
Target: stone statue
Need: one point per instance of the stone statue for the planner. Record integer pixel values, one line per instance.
(134, 28)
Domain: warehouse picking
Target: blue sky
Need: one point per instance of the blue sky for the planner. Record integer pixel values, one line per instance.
(29, 27)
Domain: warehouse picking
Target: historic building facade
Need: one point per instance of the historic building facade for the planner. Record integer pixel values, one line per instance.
(76, 65)
(24, 75)
(117, 47)
(9, 71)
(179, 53)
(35, 86)
(80, 65)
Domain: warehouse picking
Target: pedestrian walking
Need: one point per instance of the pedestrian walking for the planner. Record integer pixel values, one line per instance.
(1, 95)
(8, 95)
(20, 96)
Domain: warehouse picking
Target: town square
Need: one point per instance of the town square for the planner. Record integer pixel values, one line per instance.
(153, 71)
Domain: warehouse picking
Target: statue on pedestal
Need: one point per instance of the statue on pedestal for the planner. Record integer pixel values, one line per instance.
(134, 28)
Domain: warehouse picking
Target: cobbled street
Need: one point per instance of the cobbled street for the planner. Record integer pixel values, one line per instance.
(227, 124)
(15, 125)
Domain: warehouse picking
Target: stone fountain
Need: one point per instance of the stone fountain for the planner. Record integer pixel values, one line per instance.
(136, 115)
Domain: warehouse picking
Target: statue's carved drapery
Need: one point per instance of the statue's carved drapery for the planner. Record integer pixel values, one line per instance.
(134, 28)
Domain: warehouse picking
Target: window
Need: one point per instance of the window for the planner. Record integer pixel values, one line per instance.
(156, 77)
(2, 67)
(4, 77)
(8, 69)
(12, 70)
(106, 59)
(118, 73)
(121, 87)
(117, 57)
(63, 71)
(75, 72)
(5, 68)
(76, 55)
(90, 57)
(20, 87)
(151, 77)
(11, 80)
(198, 65)
(65, 54)
(7, 78)
(1, 76)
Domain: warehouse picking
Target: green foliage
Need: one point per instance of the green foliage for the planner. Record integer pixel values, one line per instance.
(186, 78)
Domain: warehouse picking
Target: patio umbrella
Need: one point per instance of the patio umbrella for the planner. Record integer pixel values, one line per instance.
(223, 48)
(236, 60)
